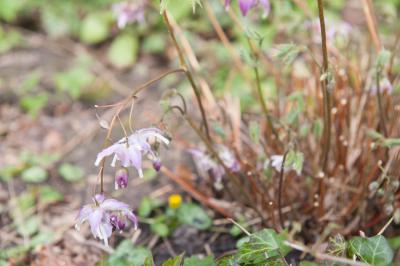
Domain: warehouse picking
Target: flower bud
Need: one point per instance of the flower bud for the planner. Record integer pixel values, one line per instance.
(157, 165)
(121, 178)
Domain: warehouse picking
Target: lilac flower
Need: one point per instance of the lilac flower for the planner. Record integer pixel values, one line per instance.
(131, 150)
(385, 87)
(121, 178)
(129, 12)
(333, 29)
(207, 165)
(246, 5)
(104, 216)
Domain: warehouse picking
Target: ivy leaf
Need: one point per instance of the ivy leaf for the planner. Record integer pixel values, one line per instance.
(193, 214)
(373, 250)
(263, 245)
(175, 261)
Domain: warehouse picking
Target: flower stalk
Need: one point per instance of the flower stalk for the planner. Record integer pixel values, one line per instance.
(327, 107)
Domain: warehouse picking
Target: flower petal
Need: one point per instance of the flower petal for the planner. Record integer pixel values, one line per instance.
(106, 152)
(114, 205)
(95, 219)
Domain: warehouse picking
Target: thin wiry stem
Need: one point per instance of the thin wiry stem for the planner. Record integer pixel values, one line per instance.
(327, 107)
(280, 188)
(121, 105)
(380, 107)
(188, 73)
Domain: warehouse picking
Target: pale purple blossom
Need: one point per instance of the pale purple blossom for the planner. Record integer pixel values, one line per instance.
(130, 151)
(121, 178)
(334, 29)
(206, 165)
(385, 87)
(104, 216)
(246, 5)
(129, 12)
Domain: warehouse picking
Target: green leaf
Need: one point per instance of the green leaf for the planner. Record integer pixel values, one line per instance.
(126, 254)
(95, 28)
(74, 80)
(34, 103)
(30, 226)
(149, 261)
(160, 229)
(373, 250)
(71, 172)
(308, 263)
(145, 207)
(195, 261)
(7, 172)
(9, 9)
(175, 261)
(193, 214)
(123, 51)
(34, 174)
(48, 195)
(262, 246)
(287, 52)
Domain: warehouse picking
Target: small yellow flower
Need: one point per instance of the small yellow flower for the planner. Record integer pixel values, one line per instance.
(174, 201)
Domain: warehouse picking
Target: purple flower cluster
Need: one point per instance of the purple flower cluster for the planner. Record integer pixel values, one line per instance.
(206, 165)
(130, 151)
(246, 5)
(105, 216)
(129, 12)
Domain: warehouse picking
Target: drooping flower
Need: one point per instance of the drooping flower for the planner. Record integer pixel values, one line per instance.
(129, 151)
(334, 29)
(206, 165)
(104, 216)
(129, 12)
(121, 178)
(246, 5)
(385, 87)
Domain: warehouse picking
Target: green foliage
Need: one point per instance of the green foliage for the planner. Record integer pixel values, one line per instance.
(123, 51)
(194, 261)
(193, 214)
(9, 9)
(287, 53)
(160, 229)
(126, 255)
(95, 28)
(373, 250)
(32, 104)
(175, 261)
(263, 245)
(9, 39)
(295, 160)
(34, 174)
(74, 80)
(71, 172)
